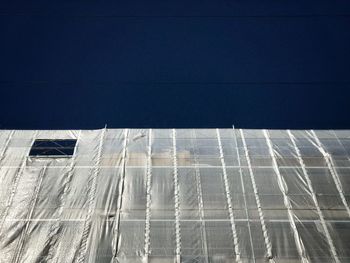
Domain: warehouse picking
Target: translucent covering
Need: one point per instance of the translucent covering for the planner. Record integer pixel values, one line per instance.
(185, 195)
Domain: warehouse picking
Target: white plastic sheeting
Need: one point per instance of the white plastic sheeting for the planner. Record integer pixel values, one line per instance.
(185, 195)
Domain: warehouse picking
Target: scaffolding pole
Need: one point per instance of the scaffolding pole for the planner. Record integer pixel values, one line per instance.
(91, 201)
(332, 170)
(229, 200)
(177, 201)
(148, 195)
(55, 233)
(120, 197)
(267, 241)
(200, 201)
(314, 197)
(287, 203)
(22, 237)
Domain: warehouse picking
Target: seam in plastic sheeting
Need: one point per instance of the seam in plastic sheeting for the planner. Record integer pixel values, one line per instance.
(200, 202)
(267, 241)
(22, 238)
(229, 201)
(55, 233)
(309, 183)
(15, 183)
(244, 196)
(177, 201)
(287, 203)
(148, 195)
(91, 201)
(332, 170)
(115, 241)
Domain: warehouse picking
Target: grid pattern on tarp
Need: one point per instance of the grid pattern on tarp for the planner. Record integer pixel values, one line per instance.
(184, 195)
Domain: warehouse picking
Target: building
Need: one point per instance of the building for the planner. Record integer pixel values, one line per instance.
(185, 195)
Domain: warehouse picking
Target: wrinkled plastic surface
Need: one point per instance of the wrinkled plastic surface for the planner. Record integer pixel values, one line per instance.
(185, 195)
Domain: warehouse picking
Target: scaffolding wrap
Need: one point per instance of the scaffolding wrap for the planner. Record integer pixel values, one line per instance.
(55, 229)
(332, 170)
(200, 200)
(314, 197)
(148, 193)
(176, 195)
(120, 197)
(229, 200)
(287, 202)
(268, 245)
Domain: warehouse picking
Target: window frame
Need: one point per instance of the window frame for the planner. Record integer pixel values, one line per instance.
(53, 145)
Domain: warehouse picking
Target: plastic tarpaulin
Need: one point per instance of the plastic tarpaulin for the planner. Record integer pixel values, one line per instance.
(184, 195)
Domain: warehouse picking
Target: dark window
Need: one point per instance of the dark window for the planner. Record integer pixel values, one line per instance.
(53, 148)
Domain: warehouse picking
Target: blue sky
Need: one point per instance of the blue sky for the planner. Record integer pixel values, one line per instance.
(254, 64)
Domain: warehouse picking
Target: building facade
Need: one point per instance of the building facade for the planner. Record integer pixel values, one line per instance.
(174, 195)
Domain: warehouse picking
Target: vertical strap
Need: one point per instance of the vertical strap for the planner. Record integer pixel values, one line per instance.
(2, 155)
(177, 201)
(333, 171)
(200, 201)
(148, 195)
(91, 201)
(267, 241)
(281, 184)
(314, 198)
(244, 195)
(115, 244)
(68, 179)
(54, 232)
(229, 201)
(23, 234)
(16, 182)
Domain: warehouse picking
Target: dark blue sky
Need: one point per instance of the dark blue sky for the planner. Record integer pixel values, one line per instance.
(184, 63)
